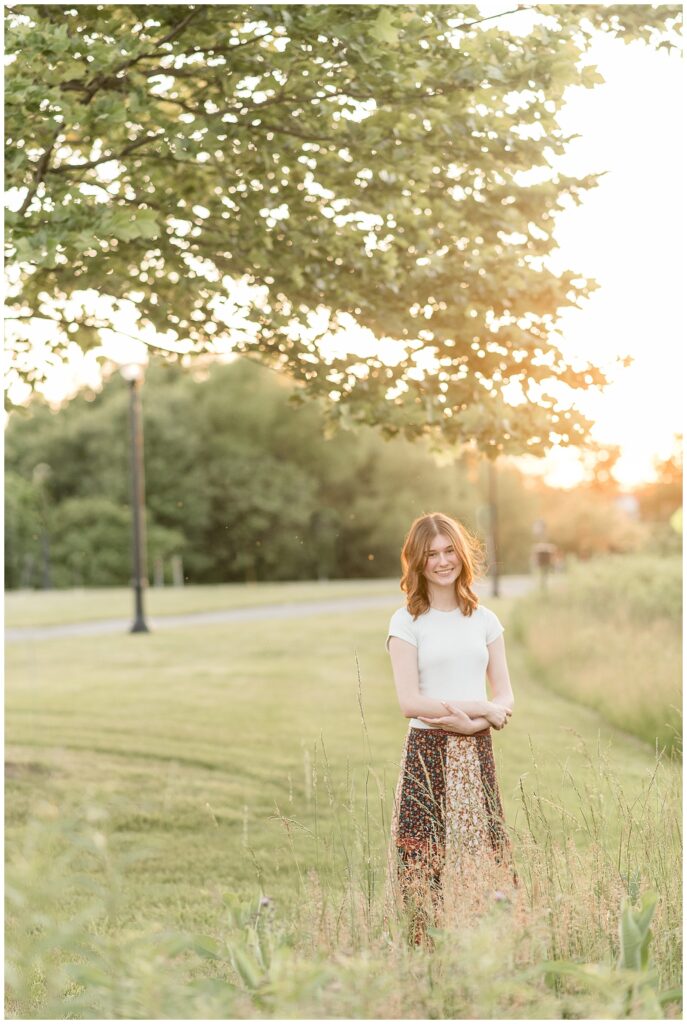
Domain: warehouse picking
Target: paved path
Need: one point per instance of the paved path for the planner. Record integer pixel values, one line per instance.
(511, 586)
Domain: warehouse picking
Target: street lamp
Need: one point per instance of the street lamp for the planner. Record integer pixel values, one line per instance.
(40, 476)
(133, 375)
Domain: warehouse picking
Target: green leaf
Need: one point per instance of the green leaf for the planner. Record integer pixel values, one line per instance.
(206, 946)
(24, 251)
(591, 76)
(384, 29)
(247, 968)
(86, 337)
(128, 226)
(630, 938)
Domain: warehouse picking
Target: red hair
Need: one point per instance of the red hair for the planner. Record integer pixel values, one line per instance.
(414, 557)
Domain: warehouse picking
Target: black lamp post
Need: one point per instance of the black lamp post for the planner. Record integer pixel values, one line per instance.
(133, 375)
(41, 475)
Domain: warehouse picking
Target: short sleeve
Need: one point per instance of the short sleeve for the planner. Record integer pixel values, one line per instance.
(494, 627)
(401, 625)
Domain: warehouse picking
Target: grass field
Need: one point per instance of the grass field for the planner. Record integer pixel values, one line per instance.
(163, 784)
(56, 607)
(610, 636)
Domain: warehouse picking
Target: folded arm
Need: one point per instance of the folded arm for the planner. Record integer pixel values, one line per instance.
(413, 704)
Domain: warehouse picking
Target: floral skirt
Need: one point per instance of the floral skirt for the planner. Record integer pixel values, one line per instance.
(448, 837)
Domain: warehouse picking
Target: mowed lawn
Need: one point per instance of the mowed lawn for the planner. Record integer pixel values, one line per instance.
(197, 740)
(56, 607)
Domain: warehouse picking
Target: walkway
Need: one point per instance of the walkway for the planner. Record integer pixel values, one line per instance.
(511, 586)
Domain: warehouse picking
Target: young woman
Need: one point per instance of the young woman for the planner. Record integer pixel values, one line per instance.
(447, 823)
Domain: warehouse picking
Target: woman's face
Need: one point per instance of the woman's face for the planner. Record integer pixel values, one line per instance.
(443, 563)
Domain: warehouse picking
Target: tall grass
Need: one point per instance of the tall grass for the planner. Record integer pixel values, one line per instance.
(609, 636)
(213, 843)
(338, 949)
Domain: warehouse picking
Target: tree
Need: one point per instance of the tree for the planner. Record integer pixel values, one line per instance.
(364, 162)
(245, 486)
(22, 531)
(587, 521)
(660, 503)
(240, 481)
(92, 543)
(600, 462)
(659, 499)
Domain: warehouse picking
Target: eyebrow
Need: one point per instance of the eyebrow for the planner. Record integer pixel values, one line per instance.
(432, 551)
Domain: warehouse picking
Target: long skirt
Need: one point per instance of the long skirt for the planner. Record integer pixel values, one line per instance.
(449, 847)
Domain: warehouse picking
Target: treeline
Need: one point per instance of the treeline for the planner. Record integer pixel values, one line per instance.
(243, 484)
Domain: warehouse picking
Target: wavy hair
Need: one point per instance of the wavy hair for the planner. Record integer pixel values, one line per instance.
(417, 545)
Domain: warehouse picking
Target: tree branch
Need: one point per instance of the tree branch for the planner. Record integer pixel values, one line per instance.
(39, 173)
(101, 79)
(136, 144)
(230, 49)
(490, 17)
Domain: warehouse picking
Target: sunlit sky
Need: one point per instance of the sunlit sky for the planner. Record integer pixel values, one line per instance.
(624, 235)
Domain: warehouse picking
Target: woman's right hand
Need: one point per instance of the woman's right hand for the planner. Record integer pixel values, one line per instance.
(497, 714)
(456, 721)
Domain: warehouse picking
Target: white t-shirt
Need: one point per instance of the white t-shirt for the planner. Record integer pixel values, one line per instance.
(452, 651)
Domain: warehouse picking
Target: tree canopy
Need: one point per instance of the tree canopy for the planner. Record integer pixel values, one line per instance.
(244, 486)
(387, 165)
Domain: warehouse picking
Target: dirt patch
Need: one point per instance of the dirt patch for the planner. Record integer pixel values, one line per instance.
(26, 769)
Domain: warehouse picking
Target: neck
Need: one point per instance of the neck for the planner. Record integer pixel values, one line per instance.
(442, 598)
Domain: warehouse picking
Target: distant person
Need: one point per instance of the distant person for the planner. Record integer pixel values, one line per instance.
(447, 824)
(544, 561)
